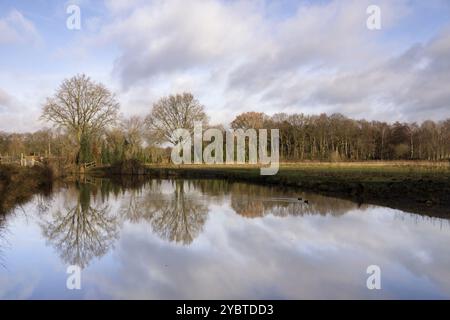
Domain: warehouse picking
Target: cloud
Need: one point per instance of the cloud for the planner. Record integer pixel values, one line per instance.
(236, 56)
(122, 6)
(176, 35)
(242, 55)
(14, 116)
(5, 99)
(413, 84)
(293, 258)
(169, 36)
(16, 29)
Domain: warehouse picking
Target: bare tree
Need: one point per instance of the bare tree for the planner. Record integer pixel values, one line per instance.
(82, 107)
(179, 111)
(133, 129)
(250, 120)
(336, 137)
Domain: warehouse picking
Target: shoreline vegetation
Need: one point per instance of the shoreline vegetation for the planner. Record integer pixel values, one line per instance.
(19, 184)
(414, 186)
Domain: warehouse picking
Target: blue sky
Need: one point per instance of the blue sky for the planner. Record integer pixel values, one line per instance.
(261, 55)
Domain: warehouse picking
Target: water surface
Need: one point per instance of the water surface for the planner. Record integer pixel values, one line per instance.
(210, 239)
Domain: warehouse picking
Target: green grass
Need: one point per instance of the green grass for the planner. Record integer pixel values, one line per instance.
(342, 170)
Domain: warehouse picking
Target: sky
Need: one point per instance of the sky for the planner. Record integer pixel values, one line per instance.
(288, 56)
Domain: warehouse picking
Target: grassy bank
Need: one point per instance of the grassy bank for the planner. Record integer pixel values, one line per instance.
(19, 184)
(419, 187)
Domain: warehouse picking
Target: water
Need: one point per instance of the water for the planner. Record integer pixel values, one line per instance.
(208, 239)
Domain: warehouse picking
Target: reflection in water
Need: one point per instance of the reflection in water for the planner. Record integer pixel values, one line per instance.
(175, 215)
(82, 230)
(2, 237)
(253, 201)
(215, 239)
(176, 211)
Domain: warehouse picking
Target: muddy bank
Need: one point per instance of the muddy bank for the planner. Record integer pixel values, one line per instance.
(19, 184)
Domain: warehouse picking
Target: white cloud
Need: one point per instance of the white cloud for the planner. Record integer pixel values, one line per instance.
(235, 57)
(122, 6)
(16, 29)
(169, 36)
(14, 116)
(239, 55)
(5, 99)
(413, 85)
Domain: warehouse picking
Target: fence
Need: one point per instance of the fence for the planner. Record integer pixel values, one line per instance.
(23, 161)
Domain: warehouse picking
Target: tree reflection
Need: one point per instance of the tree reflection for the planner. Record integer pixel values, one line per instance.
(252, 201)
(176, 216)
(81, 232)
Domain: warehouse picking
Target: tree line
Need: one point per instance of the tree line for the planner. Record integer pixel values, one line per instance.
(87, 127)
(336, 137)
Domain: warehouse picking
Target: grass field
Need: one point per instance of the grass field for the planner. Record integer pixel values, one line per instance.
(343, 170)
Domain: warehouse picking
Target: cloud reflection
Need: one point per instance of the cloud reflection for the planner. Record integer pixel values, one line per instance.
(177, 239)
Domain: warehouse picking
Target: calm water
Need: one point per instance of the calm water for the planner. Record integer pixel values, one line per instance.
(212, 239)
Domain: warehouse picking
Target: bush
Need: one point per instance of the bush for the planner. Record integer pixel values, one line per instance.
(132, 166)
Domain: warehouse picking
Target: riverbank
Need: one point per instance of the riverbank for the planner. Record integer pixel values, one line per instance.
(19, 184)
(417, 187)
